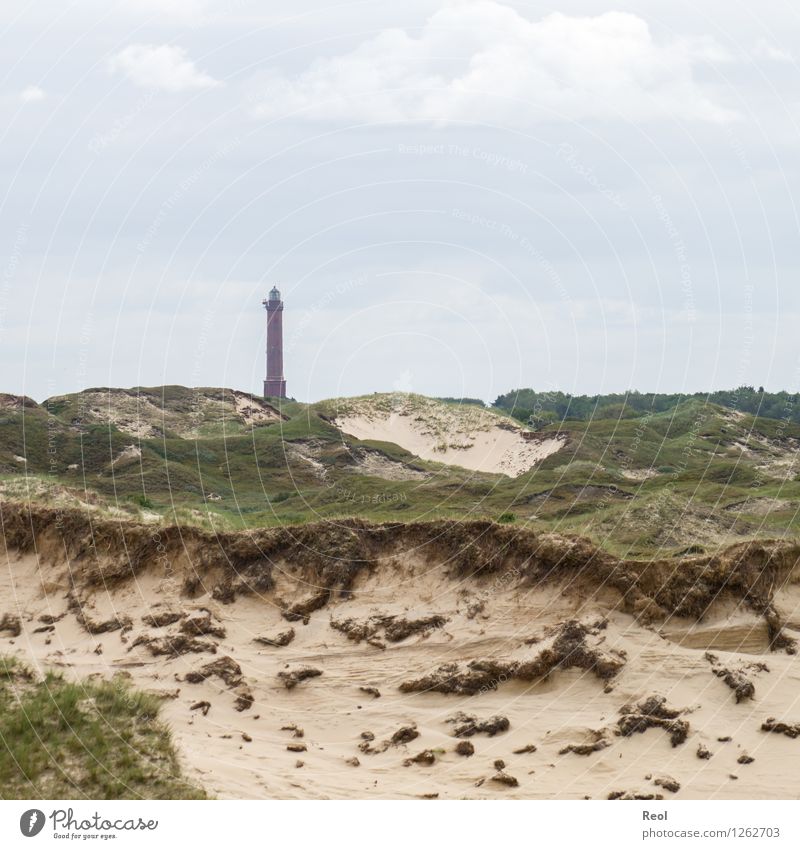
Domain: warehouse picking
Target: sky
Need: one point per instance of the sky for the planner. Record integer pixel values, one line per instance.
(455, 197)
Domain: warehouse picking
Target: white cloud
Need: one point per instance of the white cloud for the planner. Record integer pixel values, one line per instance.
(31, 93)
(766, 50)
(481, 60)
(161, 66)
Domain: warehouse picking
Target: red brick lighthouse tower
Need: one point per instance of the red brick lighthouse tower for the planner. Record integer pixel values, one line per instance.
(275, 384)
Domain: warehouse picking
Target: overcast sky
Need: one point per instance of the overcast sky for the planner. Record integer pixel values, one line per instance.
(454, 197)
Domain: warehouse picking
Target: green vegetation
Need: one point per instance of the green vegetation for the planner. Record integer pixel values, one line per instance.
(695, 472)
(475, 401)
(95, 740)
(540, 408)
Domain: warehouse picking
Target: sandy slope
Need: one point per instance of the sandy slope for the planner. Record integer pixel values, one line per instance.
(145, 413)
(493, 617)
(464, 435)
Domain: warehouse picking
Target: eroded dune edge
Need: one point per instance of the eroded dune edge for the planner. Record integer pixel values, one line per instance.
(415, 659)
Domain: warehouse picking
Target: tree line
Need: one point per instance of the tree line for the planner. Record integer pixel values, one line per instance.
(539, 409)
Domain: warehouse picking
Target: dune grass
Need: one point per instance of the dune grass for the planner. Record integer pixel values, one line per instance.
(635, 486)
(93, 739)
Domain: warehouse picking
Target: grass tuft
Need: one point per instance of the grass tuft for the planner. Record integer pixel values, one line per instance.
(95, 740)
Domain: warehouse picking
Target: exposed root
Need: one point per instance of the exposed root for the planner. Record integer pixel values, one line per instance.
(427, 757)
(226, 668)
(598, 744)
(628, 794)
(11, 623)
(255, 577)
(653, 713)
(787, 728)
(174, 646)
(668, 784)
(202, 625)
(743, 688)
(302, 610)
(404, 735)
(294, 677)
(244, 698)
(279, 640)
(466, 725)
(568, 650)
(162, 619)
(50, 619)
(366, 747)
(117, 623)
(501, 777)
(230, 673)
(398, 629)
(395, 628)
(357, 630)
(477, 676)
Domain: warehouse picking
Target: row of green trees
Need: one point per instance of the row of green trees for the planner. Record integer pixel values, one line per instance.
(541, 408)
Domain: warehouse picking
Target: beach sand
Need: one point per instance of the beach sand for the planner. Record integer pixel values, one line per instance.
(345, 747)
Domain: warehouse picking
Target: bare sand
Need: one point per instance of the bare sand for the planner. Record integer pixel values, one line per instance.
(344, 749)
(456, 435)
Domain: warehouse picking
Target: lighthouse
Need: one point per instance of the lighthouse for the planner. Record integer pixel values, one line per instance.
(275, 383)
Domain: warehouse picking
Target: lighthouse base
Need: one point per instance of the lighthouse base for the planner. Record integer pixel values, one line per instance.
(274, 388)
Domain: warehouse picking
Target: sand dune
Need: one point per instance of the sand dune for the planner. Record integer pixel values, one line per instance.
(457, 435)
(560, 661)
